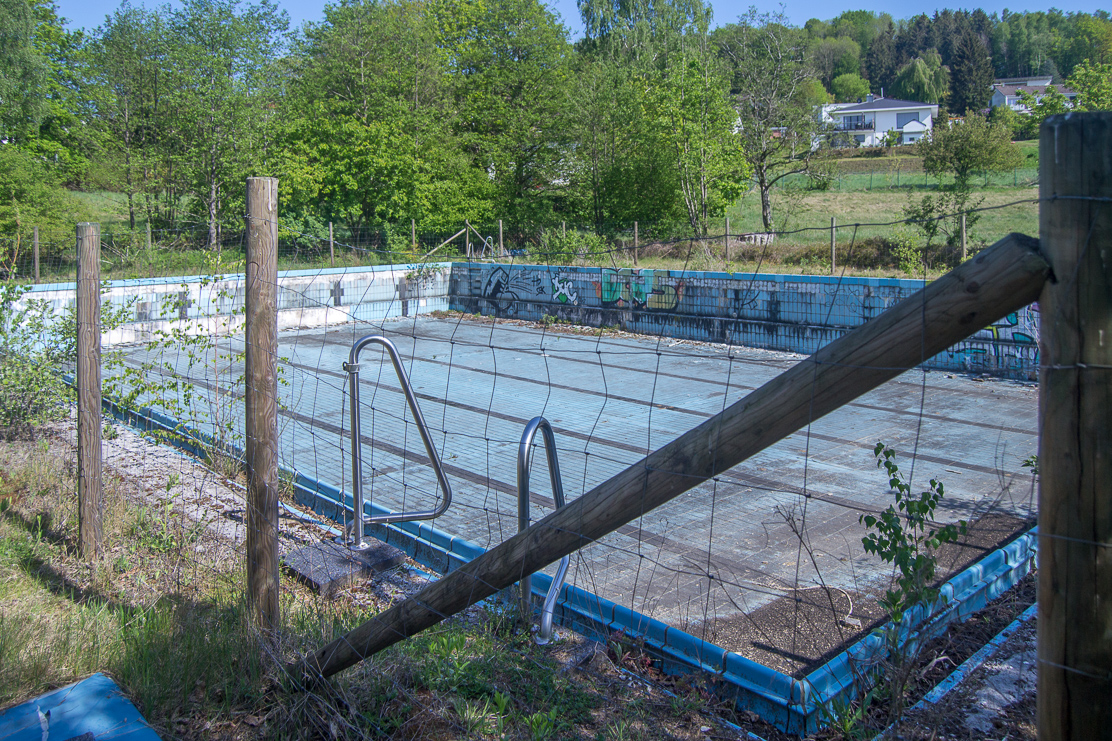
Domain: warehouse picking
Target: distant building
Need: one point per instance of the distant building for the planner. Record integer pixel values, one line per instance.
(869, 122)
(1006, 91)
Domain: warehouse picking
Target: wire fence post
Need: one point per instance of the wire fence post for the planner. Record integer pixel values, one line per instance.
(260, 400)
(148, 235)
(501, 249)
(726, 246)
(89, 489)
(467, 237)
(963, 236)
(1075, 400)
(833, 243)
(413, 233)
(331, 247)
(635, 243)
(35, 252)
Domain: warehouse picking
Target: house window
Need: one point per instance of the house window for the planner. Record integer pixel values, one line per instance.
(860, 138)
(903, 119)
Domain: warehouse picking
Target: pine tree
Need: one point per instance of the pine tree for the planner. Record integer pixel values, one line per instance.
(971, 75)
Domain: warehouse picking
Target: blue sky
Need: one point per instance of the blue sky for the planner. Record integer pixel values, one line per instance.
(91, 13)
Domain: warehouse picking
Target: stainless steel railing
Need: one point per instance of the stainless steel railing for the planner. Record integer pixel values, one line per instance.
(524, 462)
(360, 520)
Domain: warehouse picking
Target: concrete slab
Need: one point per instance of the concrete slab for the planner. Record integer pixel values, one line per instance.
(785, 521)
(327, 567)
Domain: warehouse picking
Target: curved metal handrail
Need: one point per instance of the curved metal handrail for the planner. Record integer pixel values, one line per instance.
(352, 368)
(524, 462)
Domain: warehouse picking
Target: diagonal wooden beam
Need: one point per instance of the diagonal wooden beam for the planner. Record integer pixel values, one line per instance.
(1000, 280)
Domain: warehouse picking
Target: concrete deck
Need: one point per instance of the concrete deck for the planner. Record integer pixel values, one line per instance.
(724, 548)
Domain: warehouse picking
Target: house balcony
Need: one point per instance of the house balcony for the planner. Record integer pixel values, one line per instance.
(855, 126)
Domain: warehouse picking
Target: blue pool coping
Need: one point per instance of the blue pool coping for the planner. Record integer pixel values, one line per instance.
(95, 705)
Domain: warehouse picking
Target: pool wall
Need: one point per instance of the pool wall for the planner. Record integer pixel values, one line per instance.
(791, 313)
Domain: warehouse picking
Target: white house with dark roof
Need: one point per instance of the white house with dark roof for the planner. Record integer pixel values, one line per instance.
(1006, 91)
(869, 122)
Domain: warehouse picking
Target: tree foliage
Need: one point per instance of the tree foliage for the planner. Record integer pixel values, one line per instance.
(923, 79)
(1092, 82)
(769, 86)
(963, 148)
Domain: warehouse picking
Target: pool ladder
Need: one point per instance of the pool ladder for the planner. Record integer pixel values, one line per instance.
(524, 461)
(352, 368)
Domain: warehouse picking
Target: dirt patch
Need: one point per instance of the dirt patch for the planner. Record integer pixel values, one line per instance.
(797, 633)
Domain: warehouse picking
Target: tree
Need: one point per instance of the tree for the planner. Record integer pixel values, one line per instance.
(776, 122)
(832, 57)
(220, 62)
(1093, 84)
(508, 60)
(971, 75)
(23, 71)
(125, 62)
(963, 148)
(694, 111)
(849, 88)
(880, 61)
(30, 196)
(959, 149)
(923, 79)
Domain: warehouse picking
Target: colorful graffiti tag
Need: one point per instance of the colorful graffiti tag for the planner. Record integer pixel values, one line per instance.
(562, 290)
(1009, 344)
(504, 288)
(631, 287)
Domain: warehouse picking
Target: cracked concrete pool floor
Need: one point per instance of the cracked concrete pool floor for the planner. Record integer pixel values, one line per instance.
(765, 560)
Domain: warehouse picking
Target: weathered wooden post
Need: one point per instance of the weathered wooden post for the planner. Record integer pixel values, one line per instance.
(963, 236)
(148, 236)
(1075, 442)
(413, 233)
(467, 237)
(635, 243)
(331, 247)
(261, 399)
(726, 246)
(501, 249)
(833, 244)
(35, 252)
(89, 489)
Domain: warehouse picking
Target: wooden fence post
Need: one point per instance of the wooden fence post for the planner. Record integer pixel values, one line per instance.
(833, 244)
(726, 247)
(635, 243)
(331, 247)
(963, 236)
(1075, 405)
(260, 399)
(90, 508)
(148, 234)
(501, 249)
(467, 236)
(35, 251)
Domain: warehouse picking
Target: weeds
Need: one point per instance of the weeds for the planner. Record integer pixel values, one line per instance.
(905, 535)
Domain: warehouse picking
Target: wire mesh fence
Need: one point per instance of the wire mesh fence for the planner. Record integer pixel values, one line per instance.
(763, 561)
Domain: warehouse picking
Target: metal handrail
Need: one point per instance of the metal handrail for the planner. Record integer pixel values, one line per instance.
(524, 462)
(352, 368)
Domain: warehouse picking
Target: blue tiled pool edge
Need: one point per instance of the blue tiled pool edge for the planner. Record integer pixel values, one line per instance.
(792, 705)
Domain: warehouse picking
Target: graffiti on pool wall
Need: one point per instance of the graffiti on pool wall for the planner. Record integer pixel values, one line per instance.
(562, 290)
(631, 287)
(1011, 343)
(505, 288)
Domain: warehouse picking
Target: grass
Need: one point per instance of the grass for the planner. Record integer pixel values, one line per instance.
(167, 620)
(864, 200)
